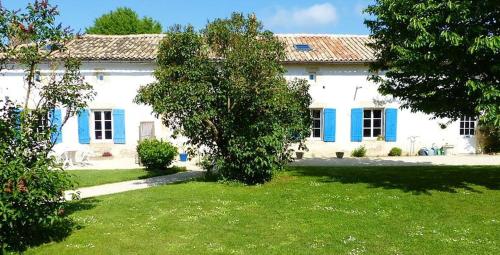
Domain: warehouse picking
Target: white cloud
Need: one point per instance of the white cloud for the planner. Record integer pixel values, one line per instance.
(314, 15)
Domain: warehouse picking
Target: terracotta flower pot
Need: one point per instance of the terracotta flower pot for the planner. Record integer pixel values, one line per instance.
(299, 154)
(339, 154)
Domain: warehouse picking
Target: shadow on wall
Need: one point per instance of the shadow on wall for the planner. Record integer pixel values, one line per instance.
(415, 179)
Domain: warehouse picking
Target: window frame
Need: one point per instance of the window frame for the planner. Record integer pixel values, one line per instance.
(372, 128)
(320, 124)
(103, 126)
(467, 121)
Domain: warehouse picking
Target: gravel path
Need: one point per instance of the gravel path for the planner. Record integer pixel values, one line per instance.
(118, 187)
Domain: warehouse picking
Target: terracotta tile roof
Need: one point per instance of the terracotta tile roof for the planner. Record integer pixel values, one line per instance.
(324, 48)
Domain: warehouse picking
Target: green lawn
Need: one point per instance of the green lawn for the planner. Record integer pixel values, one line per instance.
(340, 210)
(86, 178)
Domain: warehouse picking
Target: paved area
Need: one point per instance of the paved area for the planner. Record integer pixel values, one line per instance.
(403, 161)
(118, 187)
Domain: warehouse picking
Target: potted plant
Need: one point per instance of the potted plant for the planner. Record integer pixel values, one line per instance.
(340, 154)
(183, 156)
(299, 154)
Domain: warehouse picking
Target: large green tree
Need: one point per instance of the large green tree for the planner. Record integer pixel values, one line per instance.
(31, 181)
(439, 56)
(223, 88)
(124, 21)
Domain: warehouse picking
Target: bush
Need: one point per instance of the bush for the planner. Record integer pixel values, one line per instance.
(359, 152)
(156, 154)
(488, 137)
(395, 152)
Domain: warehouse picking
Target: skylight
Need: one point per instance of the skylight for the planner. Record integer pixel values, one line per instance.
(302, 47)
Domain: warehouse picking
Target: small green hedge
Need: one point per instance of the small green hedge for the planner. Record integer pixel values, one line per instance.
(395, 152)
(359, 152)
(156, 154)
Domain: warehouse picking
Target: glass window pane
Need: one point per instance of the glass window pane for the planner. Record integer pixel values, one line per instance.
(462, 118)
(98, 125)
(377, 123)
(462, 124)
(377, 132)
(367, 113)
(107, 115)
(97, 115)
(466, 124)
(377, 113)
(472, 125)
(316, 114)
(317, 133)
(107, 124)
(108, 134)
(98, 135)
(471, 132)
(366, 132)
(367, 123)
(462, 131)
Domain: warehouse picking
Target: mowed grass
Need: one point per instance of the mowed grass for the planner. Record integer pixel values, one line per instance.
(86, 178)
(305, 210)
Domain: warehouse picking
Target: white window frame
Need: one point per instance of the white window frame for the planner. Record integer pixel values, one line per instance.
(320, 124)
(372, 118)
(466, 127)
(103, 130)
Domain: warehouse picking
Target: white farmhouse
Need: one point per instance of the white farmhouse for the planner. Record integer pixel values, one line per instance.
(347, 110)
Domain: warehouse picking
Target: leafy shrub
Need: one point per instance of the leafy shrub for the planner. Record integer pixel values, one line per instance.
(31, 183)
(395, 152)
(359, 152)
(488, 138)
(156, 154)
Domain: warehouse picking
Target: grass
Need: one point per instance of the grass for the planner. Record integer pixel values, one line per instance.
(305, 210)
(86, 178)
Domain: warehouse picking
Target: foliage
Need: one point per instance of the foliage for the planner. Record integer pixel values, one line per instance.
(31, 181)
(439, 57)
(223, 88)
(124, 21)
(488, 137)
(156, 154)
(395, 151)
(331, 210)
(359, 152)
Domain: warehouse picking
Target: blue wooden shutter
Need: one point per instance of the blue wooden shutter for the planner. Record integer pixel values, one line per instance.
(119, 126)
(83, 126)
(56, 122)
(329, 124)
(356, 124)
(391, 124)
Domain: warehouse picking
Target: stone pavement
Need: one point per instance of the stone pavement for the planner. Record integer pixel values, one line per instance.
(454, 160)
(118, 187)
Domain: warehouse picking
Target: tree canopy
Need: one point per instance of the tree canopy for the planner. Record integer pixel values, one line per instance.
(124, 21)
(32, 181)
(439, 57)
(223, 88)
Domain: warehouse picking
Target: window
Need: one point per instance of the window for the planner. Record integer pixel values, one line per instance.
(312, 76)
(43, 123)
(100, 77)
(372, 122)
(467, 125)
(316, 127)
(103, 128)
(302, 47)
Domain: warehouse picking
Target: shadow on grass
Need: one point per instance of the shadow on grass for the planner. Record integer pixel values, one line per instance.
(415, 179)
(160, 172)
(32, 236)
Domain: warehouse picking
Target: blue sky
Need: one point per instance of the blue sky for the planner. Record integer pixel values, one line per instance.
(280, 16)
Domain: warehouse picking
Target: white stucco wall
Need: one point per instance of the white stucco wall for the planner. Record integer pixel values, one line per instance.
(335, 87)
